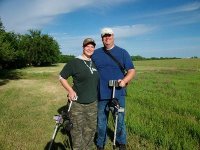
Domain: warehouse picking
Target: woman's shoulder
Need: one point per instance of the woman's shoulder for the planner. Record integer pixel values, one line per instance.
(73, 61)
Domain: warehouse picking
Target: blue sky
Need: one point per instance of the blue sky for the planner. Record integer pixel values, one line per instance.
(150, 28)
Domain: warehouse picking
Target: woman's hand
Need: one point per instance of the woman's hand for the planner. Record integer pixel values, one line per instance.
(72, 95)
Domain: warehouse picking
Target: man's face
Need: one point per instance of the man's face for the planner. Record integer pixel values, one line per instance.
(108, 40)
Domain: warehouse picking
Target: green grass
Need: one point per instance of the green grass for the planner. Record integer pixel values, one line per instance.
(163, 106)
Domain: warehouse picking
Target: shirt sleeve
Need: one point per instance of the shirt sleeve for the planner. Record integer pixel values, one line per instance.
(128, 63)
(67, 70)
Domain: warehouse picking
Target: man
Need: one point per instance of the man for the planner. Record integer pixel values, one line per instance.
(109, 70)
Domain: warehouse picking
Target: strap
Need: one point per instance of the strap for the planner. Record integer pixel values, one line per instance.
(117, 62)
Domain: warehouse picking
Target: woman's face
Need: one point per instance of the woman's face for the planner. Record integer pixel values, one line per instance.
(88, 50)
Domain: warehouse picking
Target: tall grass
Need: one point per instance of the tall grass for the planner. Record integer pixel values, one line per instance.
(163, 106)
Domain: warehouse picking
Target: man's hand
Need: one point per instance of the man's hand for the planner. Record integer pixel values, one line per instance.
(121, 83)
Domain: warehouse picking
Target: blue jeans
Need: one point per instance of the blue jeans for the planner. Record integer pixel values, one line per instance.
(102, 120)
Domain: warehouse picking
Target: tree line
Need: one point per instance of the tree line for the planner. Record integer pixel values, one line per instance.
(36, 49)
(139, 58)
(31, 49)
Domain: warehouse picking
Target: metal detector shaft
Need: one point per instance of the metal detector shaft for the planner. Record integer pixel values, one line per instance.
(70, 105)
(58, 123)
(114, 84)
(115, 132)
(113, 93)
(54, 135)
(55, 131)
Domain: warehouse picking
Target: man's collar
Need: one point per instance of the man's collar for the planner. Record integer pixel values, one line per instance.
(110, 48)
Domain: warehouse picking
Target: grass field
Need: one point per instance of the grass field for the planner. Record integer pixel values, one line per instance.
(163, 106)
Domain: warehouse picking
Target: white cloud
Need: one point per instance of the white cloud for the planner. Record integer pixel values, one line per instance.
(183, 8)
(20, 15)
(177, 15)
(133, 30)
(73, 44)
(35, 13)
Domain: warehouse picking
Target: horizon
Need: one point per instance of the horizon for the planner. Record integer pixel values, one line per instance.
(157, 29)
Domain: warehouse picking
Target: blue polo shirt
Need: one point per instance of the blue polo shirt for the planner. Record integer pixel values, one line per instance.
(109, 70)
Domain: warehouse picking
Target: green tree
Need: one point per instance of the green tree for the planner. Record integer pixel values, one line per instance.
(138, 57)
(29, 49)
(40, 49)
(8, 47)
(65, 58)
(50, 51)
(1, 26)
(10, 54)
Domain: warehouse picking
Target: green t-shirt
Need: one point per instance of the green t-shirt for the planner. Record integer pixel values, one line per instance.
(85, 79)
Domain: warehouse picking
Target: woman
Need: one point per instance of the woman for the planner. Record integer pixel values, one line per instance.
(83, 93)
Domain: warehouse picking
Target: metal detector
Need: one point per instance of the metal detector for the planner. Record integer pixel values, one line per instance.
(59, 122)
(114, 107)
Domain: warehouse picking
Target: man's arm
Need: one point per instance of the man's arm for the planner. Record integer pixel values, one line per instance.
(129, 76)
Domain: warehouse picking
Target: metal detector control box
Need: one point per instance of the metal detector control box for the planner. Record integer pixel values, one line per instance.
(113, 83)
